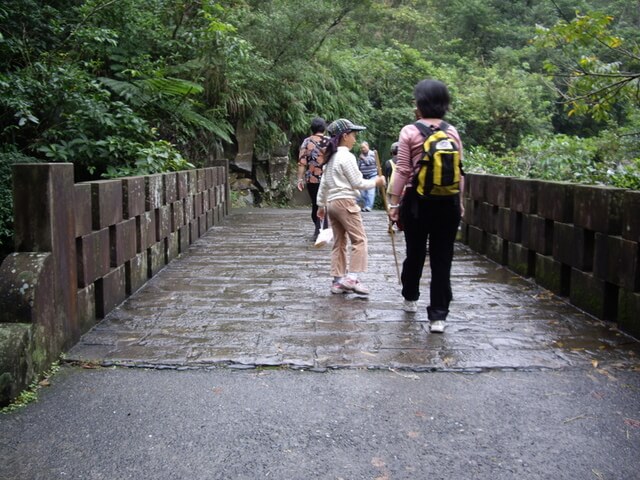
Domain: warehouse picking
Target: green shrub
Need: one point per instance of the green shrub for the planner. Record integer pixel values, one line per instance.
(154, 157)
(625, 176)
(479, 159)
(601, 160)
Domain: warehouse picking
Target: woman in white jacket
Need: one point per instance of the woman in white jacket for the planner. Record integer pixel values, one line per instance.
(337, 198)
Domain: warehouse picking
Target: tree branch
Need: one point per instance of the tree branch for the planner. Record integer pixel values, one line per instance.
(560, 12)
(615, 87)
(334, 24)
(89, 15)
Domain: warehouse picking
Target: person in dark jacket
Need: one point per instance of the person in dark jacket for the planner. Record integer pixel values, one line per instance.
(390, 165)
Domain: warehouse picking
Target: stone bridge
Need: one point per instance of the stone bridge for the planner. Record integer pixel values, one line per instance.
(157, 272)
(253, 291)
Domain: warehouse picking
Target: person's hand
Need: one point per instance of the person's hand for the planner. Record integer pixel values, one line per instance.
(381, 181)
(300, 185)
(320, 214)
(394, 214)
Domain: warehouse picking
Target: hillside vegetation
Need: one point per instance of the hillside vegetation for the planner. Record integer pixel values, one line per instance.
(541, 88)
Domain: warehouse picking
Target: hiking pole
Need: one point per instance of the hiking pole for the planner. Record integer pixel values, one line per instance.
(383, 194)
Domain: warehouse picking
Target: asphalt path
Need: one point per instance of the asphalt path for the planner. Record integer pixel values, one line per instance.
(128, 423)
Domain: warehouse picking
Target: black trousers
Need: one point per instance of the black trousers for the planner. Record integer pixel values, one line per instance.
(312, 188)
(434, 220)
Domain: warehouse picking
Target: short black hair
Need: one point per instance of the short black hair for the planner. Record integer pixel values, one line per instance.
(318, 125)
(432, 98)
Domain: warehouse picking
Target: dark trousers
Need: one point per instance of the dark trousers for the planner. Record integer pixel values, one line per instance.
(434, 220)
(312, 188)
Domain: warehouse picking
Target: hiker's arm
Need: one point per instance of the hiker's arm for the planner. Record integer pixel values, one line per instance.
(409, 135)
(356, 179)
(301, 169)
(456, 135)
(302, 164)
(321, 198)
(394, 208)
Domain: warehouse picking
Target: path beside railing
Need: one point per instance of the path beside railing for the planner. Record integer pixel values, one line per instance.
(254, 291)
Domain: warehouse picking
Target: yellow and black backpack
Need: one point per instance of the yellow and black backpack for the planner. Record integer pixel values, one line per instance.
(440, 167)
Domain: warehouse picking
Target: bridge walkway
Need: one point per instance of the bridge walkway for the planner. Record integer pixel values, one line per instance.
(254, 291)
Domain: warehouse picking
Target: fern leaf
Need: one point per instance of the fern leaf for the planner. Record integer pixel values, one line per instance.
(127, 90)
(172, 86)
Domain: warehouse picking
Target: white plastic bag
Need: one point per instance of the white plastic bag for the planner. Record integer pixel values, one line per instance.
(324, 237)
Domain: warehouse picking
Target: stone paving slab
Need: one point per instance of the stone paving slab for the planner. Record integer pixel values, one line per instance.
(254, 291)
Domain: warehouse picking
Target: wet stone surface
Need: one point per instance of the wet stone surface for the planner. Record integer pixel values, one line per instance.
(255, 292)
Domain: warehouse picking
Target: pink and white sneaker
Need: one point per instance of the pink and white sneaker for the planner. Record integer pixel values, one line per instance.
(355, 286)
(339, 287)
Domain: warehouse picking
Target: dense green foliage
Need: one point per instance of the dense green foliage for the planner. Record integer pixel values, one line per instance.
(543, 88)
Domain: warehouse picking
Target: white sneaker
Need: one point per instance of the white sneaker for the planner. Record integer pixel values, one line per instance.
(410, 306)
(437, 326)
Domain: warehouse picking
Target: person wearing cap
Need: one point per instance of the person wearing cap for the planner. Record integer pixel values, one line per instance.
(337, 199)
(310, 163)
(433, 220)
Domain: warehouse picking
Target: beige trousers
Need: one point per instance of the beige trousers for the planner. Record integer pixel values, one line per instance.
(346, 223)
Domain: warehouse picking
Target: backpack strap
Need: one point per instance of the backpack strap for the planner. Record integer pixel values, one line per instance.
(424, 129)
(427, 130)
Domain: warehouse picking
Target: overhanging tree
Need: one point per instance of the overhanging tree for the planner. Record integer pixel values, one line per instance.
(598, 71)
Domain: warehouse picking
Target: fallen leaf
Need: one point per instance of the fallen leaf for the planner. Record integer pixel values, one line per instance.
(44, 383)
(605, 373)
(632, 422)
